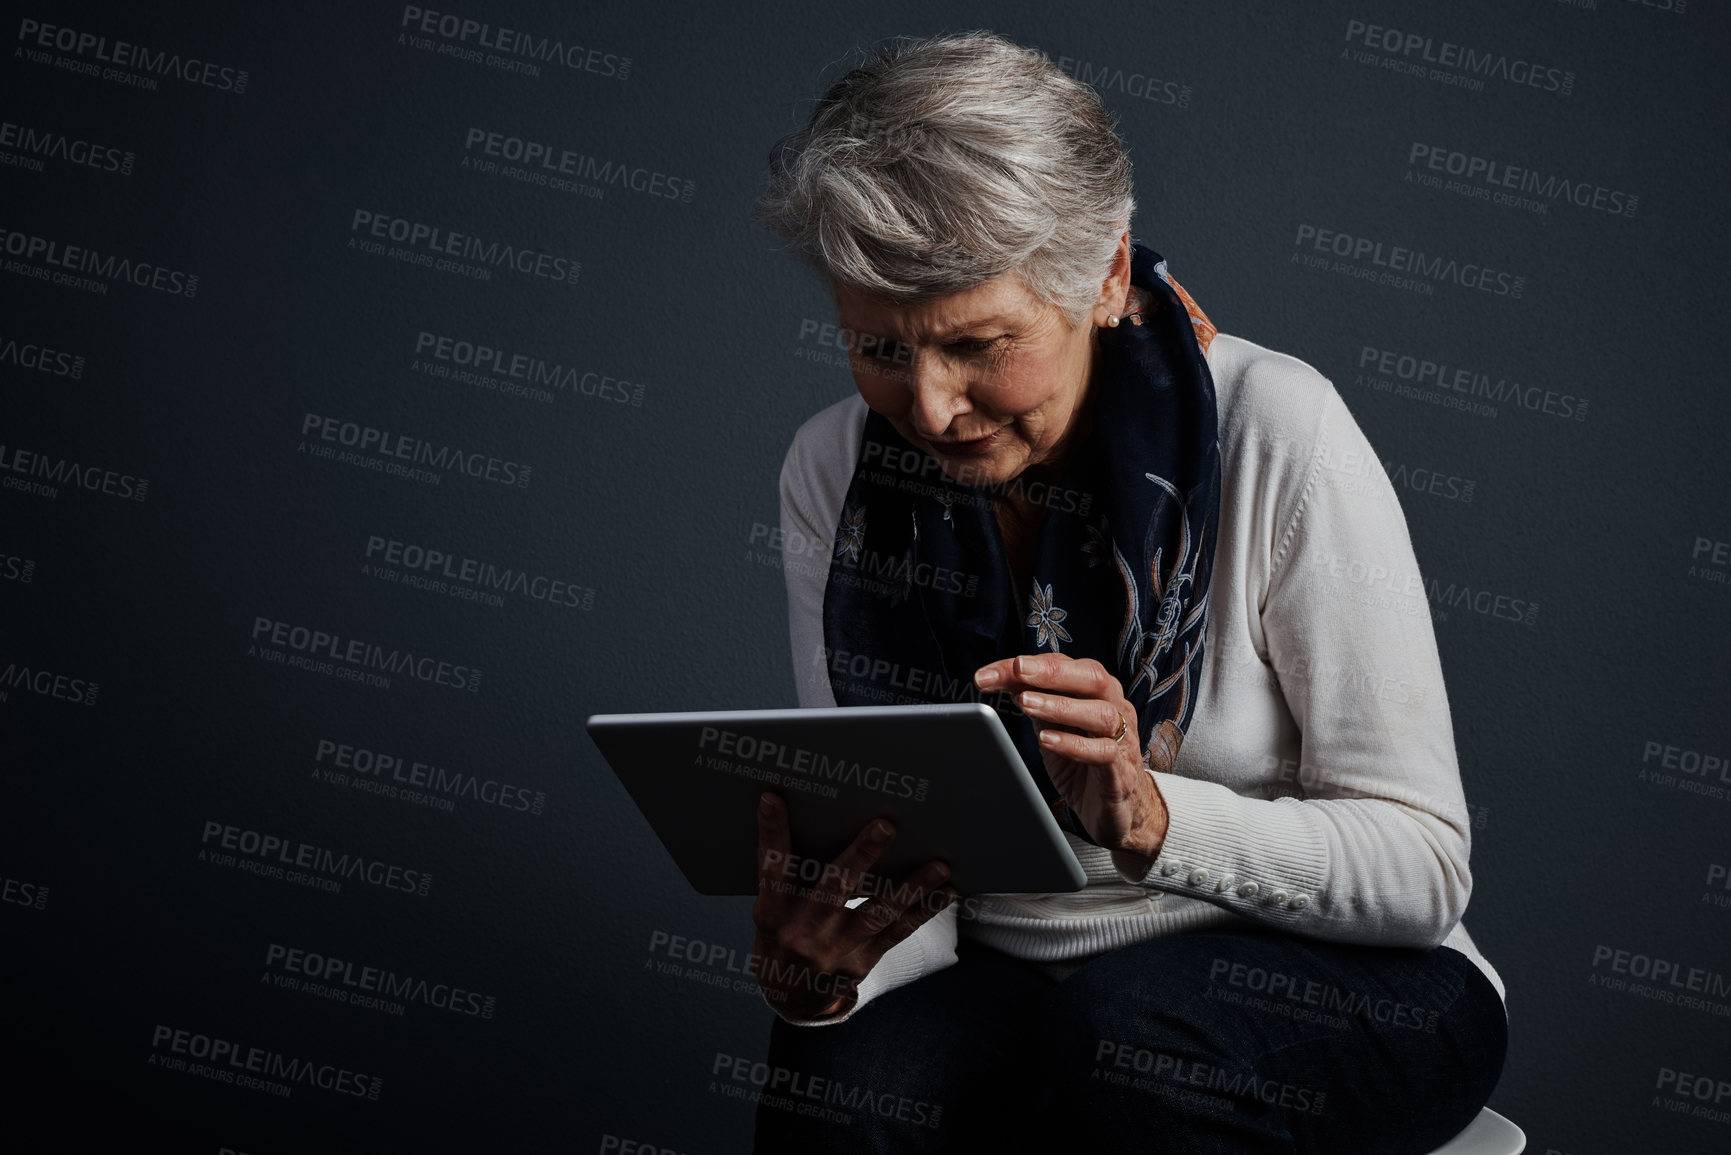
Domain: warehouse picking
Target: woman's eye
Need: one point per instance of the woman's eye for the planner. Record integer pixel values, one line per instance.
(975, 345)
(881, 349)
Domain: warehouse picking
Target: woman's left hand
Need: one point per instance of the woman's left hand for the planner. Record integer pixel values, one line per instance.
(1075, 705)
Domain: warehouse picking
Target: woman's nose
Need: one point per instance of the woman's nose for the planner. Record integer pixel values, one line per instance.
(939, 395)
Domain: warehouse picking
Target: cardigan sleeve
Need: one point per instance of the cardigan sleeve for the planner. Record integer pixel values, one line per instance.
(807, 546)
(1375, 849)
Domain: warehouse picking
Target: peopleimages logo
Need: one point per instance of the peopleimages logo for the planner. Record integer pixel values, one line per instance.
(1354, 679)
(256, 1068)
(34, 145)
(511, 49)
(16, 678)
(146, 64)
(1718, 880)
(508, 371)
(441, 571)
(1693, 771)
(447, 251)
(1457, 63)
(85, 268)
(314, 647)
(40, 358)
(17, 892)
(1675, 975)
(1674, 7)
(17, 569)
(1139, 85)
(1173, 1076)
(395, 775)
(1708, 560)
(374, 988)
(270, 854)
(1430, 377)
(1327, 998)
(42, 475)
(814, 1096)
(540, 163)
(1498, 181)
(390, 449)
(1412, 263)
(752, 757)
(1700, 1096)
(919, 684)
(1479, 600)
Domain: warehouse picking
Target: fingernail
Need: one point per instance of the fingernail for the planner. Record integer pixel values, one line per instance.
(1031, 700)
(882, 829)
(936, 875)
(765, 803)
(986, 679)
(1024, 666)
(1048, 737)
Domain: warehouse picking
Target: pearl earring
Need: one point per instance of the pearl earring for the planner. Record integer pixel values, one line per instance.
(1111, 322)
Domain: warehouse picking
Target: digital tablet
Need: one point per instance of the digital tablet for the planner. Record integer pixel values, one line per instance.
(947, 776)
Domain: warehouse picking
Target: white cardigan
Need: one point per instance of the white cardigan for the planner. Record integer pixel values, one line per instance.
(1316, 790)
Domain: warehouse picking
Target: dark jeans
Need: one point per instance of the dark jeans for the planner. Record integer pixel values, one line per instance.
(1243, 1041)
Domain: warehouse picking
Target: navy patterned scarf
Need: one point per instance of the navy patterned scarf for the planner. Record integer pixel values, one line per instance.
(920, 593)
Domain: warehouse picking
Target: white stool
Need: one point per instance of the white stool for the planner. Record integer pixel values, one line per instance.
(1489, 1134)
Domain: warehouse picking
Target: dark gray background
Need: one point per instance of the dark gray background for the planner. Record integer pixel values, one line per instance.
(654, 506)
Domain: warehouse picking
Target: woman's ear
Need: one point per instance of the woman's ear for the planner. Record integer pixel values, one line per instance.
(1115, 299)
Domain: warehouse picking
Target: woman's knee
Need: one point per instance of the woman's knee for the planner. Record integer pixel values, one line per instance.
(1120, 1064)
(1109, 1027)
(925, 1067)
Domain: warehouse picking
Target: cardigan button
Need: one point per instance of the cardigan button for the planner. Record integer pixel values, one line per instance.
(1299, 901)
(1199, 876)
(1277, 897)
(1248, 889)
(1228, 881)
(1168, 868)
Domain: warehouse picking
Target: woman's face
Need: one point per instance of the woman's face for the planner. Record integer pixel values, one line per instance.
(989, 381)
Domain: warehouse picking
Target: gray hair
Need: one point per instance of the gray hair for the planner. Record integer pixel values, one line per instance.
(940, 164)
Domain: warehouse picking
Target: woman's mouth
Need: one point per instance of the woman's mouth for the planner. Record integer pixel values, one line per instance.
(972, 448)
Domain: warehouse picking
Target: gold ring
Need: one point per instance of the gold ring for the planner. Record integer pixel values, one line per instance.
(1123, 728)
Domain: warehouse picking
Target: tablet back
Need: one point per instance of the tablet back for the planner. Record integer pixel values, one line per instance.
(947, 776)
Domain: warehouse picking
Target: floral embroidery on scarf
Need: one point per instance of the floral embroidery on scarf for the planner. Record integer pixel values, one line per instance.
(851, 540)
(904, 590)
(1044, 614)
(1141, 649)
(1099, 541)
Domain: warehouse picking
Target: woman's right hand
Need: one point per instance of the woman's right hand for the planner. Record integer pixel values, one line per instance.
(812, 951)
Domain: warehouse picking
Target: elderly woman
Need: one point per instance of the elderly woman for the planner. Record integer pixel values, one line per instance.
(1177, 569)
